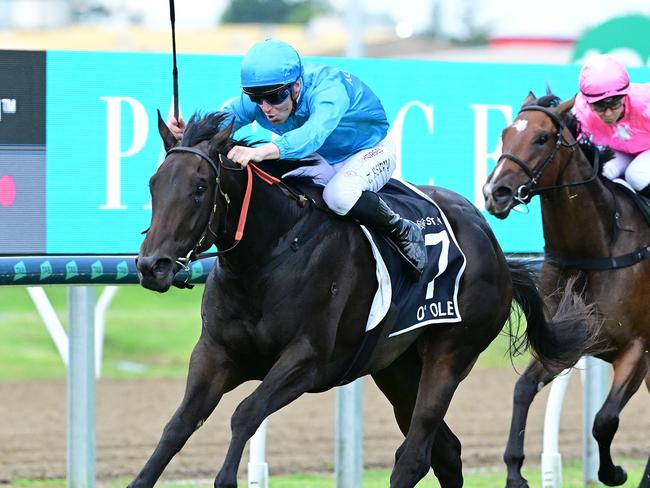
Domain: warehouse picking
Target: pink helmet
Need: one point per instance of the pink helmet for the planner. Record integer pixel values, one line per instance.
(603, 76)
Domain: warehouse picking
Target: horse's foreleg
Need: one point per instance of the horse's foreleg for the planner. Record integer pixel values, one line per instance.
(630, 368)
(210, 375)
(529, 383)
(291, 376)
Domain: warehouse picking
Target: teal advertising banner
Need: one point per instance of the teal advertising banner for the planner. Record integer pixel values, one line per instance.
(103, 143)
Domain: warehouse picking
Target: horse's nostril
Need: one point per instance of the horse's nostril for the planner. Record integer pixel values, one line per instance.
(162, 266)
(502, 193)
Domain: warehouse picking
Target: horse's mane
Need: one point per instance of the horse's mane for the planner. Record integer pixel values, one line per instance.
(204, 126)
(589, 149)
(549, 100)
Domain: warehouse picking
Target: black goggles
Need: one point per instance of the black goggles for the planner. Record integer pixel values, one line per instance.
(612, 103)
(274, 97)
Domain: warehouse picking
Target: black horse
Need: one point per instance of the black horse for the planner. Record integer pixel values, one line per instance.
(593, 232)
(293, 316)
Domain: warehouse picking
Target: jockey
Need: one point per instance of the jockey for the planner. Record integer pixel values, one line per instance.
(616, 113)
(324, 113)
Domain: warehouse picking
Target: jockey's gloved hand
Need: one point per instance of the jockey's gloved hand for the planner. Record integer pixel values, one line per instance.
(176, 126)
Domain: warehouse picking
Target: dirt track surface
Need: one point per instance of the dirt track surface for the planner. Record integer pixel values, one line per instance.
(132, 414)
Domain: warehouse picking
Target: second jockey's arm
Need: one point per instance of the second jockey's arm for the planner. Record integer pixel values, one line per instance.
(244, 155)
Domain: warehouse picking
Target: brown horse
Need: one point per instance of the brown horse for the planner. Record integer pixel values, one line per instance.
(593, 231)
(287, 303)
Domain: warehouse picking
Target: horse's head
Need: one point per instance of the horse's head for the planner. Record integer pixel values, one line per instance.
(534, 146)
(184, 199)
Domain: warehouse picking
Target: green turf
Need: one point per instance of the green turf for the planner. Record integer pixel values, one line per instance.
(148, 335)
(483, 478)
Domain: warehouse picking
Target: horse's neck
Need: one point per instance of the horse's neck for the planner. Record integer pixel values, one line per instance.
(578, 220)
(271, 214)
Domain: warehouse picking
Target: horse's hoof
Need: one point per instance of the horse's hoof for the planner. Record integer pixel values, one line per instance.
(614, 478)
(520, 483)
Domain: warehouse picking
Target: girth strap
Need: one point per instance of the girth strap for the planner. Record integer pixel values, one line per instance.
(600, 264)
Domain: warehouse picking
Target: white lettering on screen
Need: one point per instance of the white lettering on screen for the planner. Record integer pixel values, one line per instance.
(114, 151)
(481, 152)
(398, 129)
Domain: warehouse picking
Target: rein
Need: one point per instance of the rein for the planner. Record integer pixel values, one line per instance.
(528, 190)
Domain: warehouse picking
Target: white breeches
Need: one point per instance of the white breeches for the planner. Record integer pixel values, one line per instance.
(635, 168)
(366, 170)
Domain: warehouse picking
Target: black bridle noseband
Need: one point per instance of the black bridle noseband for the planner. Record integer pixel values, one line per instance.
(526, 191)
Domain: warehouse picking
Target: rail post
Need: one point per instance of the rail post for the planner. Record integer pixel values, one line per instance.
(258, 468)
(349, 435)
(595, 377)
(81, 387)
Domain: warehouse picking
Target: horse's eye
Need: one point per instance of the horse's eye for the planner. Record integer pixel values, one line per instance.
(200, 190)
(541, 140)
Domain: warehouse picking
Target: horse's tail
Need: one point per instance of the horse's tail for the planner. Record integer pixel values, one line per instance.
(558, 343)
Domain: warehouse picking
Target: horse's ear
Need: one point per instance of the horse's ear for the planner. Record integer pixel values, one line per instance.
(529, 99)
(563, 108)
(220, 142)
(168, 137)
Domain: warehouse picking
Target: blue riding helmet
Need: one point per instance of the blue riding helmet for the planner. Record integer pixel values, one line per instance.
(270, 62)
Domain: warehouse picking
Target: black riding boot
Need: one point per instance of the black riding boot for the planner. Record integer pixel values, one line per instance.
(372, 211)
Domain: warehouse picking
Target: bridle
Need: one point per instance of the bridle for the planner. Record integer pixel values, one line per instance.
(526, 191)
(529, 189)
(194, 254)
